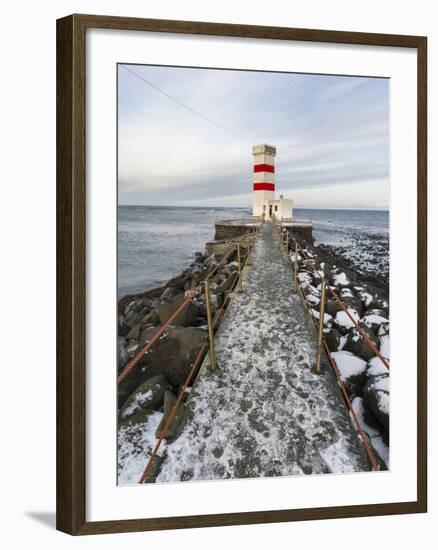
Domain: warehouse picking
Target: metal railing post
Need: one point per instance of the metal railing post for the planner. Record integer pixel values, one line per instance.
(240, 267)
(321, 326)
(210, 326)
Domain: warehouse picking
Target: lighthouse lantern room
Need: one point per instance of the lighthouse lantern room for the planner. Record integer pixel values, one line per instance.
(265, 204)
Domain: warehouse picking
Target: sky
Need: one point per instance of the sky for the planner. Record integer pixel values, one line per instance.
(331, 135)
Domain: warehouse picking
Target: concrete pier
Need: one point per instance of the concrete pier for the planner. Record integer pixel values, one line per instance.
(231, 229)
(264, 411)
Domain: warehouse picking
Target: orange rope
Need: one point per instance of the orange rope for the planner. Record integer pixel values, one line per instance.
(337, 299)
(347, 401)
(371, 457)
(211, 273)
(166, 325)
(172, 414)
(151, 342)
(200, 355)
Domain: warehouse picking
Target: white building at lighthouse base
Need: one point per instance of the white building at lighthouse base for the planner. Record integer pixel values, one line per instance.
(281, 208)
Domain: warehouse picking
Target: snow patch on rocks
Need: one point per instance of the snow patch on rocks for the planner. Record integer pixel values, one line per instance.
(348, 364)
(344, 322)
(135, 444)
(370, 427)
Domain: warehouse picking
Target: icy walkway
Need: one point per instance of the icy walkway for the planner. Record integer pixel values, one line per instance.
(264, 411)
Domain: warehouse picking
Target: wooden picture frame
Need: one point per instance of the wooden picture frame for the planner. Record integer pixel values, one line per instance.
(71, 272)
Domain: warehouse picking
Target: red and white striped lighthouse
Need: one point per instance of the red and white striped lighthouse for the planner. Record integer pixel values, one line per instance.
(264, 177)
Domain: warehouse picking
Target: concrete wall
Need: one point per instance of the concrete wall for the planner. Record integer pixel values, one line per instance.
(220, 247)
(303, 232)
(229, 231)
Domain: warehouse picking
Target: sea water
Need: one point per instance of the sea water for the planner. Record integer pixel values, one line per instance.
(155, 243)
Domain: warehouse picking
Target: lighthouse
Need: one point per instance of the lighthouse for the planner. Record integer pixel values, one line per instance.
(264, 176)
(264, 201)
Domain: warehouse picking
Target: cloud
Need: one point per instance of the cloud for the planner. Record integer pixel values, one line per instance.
(329, 132)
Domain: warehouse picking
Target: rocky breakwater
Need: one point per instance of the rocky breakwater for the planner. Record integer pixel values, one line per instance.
(147, 394)
(363, 373)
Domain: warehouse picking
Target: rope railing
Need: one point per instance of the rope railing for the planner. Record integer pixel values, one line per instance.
(196, 363)
(364, 335)
(234, 240)
(341, 385)
(196, 292)
(322, 343)
(199, 357)
(152, 341)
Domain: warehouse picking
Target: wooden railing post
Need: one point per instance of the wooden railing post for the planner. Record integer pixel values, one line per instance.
(210, 326)
(296, 266)
(321, 326)
(240, 267)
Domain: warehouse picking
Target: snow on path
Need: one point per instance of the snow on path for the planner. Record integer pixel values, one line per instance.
(264, 411)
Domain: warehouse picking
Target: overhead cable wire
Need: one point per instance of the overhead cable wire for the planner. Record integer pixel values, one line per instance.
(184, 105)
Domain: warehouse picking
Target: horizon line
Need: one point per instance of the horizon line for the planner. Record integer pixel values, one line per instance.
(372, 208)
